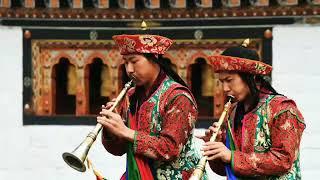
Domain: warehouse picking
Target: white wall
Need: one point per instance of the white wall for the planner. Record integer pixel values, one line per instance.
(34, 152)
(296, 74)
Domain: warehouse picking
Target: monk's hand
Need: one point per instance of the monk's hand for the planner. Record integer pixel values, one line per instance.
(211, 130)
(109, 105)
(114, 124)
(216, 150)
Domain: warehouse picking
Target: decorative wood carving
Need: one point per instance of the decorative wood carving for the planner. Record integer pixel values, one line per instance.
(191, 13)
(80, 53)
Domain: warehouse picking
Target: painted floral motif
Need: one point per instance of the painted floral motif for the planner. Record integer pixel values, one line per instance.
(148, 40)
(129, 45)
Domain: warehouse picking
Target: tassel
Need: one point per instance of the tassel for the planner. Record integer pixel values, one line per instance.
(98, 175)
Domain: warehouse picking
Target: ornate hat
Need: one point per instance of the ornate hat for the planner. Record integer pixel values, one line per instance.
(240, 59)
(229, 63)
(142, 43)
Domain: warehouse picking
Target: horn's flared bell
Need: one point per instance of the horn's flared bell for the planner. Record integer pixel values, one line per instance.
(76, 158)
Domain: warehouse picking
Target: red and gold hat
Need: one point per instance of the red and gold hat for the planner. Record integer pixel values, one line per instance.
(142, 43)
(229, 63)
(239, 59)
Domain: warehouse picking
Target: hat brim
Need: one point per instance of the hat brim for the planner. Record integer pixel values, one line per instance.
(229, 63)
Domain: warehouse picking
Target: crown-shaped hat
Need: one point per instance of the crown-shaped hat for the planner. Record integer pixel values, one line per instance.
(229, 63)
(142, 43)
(240, 59)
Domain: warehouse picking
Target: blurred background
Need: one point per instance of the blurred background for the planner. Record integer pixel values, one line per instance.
(58, 65)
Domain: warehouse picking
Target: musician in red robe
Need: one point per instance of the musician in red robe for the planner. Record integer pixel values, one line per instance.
(260, 138)
(156, 129)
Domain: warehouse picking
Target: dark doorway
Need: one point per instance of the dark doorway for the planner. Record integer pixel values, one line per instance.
(97, 75)
(64, 79)
(202, 89)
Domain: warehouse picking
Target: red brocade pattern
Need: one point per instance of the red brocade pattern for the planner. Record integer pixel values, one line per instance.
(164, 120)
(132, 44)
(274, 158)
(228, 63)
(286, 129)
(176, 129)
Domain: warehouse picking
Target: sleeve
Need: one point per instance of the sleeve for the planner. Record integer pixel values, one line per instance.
(218, 167)
(178, 122)
(286, 129)
(113, 144)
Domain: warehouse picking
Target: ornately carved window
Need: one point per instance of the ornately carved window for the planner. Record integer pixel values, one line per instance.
(67, 80)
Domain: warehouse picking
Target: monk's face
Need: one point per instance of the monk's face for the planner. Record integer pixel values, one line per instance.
(140, 69)
(234, 85)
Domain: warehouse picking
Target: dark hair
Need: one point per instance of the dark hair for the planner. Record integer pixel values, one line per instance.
(241, 52)
(256, 83)
(165, 65)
